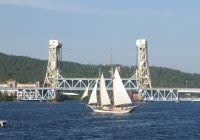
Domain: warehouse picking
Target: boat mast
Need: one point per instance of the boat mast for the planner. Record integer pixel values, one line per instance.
(111, 72)
(111, 67)
(99, 73)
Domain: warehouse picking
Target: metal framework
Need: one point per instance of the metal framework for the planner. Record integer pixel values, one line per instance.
(81, 84)
(142, 74)
(39, 94)
(170, 94)
(54, 61)
(160, 95)
(149, 94)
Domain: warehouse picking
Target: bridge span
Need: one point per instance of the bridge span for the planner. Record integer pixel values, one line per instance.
(80, 84)
(170, 94)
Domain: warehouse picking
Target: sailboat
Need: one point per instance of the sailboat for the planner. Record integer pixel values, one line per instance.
(121, 101)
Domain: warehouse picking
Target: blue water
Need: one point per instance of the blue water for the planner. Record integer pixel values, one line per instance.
(72, 120)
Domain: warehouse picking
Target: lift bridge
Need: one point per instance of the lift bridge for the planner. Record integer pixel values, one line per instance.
(66, 85)
(140, 82)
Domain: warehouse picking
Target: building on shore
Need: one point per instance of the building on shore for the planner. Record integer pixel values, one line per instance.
(14, 84)
(10, 87)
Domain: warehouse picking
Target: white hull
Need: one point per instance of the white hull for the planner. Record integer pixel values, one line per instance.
(114, 111)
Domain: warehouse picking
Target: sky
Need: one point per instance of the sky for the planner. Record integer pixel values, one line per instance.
(89, 29)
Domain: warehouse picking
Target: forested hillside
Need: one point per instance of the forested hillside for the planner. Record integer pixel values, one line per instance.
(25, 69)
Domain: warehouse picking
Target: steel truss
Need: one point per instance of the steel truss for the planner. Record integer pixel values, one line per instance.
(159, 95)
(40, 94)
(142, 74)
(54, 62)
(81, 84)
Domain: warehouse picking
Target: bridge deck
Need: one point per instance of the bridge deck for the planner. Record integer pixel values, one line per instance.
(197, 90)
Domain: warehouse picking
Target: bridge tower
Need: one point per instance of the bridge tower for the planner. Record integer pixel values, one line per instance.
(54, 62)
(142, 74)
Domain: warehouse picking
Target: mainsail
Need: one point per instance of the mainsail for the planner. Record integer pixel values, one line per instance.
(93, 97)
(104, 99)
(120, 95)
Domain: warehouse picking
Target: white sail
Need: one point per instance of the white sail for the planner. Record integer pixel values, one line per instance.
(120, 96)
(104, 99)
(93, 97)
(85, 93)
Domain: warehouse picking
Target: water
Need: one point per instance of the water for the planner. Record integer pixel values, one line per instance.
(72, 120)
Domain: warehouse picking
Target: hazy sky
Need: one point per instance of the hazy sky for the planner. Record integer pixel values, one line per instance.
(90, 28)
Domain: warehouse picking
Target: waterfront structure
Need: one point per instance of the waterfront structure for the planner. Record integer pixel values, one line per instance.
(54, 63)
(15, 84)
(10, 87)
(36, 94)
(142, 74)
(81, 83)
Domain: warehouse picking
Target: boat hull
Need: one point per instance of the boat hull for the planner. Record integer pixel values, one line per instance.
(114, 110)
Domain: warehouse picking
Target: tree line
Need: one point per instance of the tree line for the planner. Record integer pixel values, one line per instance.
(26, 70)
